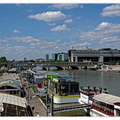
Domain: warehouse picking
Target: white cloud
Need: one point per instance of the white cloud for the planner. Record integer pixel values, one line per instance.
(68, 21)
(16, 31)
(3, 41)
(103, 25)
(81, 45)
(25, 39)
(66, 6)
(113, 10)
(48, 16)
(105, 34)
(29, 11)
(60, 28)
(51, 24)
(103, 30)
(109, 28)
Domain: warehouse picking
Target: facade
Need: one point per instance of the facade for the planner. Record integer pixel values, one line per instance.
(54, 56)
(100, 55)
(46, 57)
(60, 56)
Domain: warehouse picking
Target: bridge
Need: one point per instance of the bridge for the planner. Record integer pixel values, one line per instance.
(48, 65)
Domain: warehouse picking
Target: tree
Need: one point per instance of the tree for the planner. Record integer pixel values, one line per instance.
(3, 59)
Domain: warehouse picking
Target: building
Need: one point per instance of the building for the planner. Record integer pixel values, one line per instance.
(54, 56)
(60, 56)
(46, 57)
(100, 55)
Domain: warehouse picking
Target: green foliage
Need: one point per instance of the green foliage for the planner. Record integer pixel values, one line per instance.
(80, 60)
(114, 61)
(66, 60)
(3, 59)
(31, 61)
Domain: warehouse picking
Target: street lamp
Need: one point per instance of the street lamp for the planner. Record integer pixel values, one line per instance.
(52, 95)
(46, 92)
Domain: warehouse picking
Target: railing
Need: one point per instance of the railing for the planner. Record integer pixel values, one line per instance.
(69, 108)
(104, 110)
(51, 64)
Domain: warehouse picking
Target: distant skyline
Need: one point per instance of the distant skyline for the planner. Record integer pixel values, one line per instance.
(33, 30)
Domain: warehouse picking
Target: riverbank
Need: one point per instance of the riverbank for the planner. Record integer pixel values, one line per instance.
(115, 68)
(39, 109)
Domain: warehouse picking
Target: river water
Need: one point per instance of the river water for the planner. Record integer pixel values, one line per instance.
(109, 80)
(104, 79)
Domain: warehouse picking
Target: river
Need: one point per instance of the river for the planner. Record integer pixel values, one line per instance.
(109, 80)
(104, 79)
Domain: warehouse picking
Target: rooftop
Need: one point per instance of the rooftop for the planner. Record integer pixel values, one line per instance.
(107, 98)
(13, 105)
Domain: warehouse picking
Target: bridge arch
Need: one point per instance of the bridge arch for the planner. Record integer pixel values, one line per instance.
(59, 67)
(74, 67)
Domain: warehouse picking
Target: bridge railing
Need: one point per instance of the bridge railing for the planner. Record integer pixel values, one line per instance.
(44, 64)
(50, 64)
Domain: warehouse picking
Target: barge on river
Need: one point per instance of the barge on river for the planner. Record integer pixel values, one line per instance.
(102, 103)
(64, 89)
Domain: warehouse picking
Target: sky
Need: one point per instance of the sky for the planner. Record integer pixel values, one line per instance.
(33, 30)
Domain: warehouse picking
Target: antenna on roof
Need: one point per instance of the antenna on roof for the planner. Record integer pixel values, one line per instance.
(86, 47)
(72, 47)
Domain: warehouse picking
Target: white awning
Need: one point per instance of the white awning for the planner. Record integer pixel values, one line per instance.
(11, 99)
(107, 98)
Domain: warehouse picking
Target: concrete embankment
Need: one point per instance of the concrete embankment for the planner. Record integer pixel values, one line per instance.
(110, 68)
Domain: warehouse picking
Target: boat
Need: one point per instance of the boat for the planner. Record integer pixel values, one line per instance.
(102, 103)
(63, 89)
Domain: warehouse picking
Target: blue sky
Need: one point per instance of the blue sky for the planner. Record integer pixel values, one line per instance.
(33, 30)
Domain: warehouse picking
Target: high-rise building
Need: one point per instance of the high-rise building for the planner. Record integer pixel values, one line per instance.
(62, 56)
(54, 56)
(46, 57)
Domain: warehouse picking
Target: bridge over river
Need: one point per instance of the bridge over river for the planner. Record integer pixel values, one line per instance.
(48, 65)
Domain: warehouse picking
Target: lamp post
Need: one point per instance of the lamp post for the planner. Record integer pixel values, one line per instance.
(52, 104)
(46, 91)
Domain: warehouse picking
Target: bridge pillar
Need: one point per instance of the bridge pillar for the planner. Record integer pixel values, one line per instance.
(101, 59)
(47, 68)
(76, 59)
(64, 68)
(80, 68)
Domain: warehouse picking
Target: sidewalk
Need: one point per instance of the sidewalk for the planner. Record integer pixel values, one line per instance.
(39, 109)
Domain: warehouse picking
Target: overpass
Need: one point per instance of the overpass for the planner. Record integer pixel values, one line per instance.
(47, 65)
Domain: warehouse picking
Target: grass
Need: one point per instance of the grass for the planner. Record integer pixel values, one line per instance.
(71, 113)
